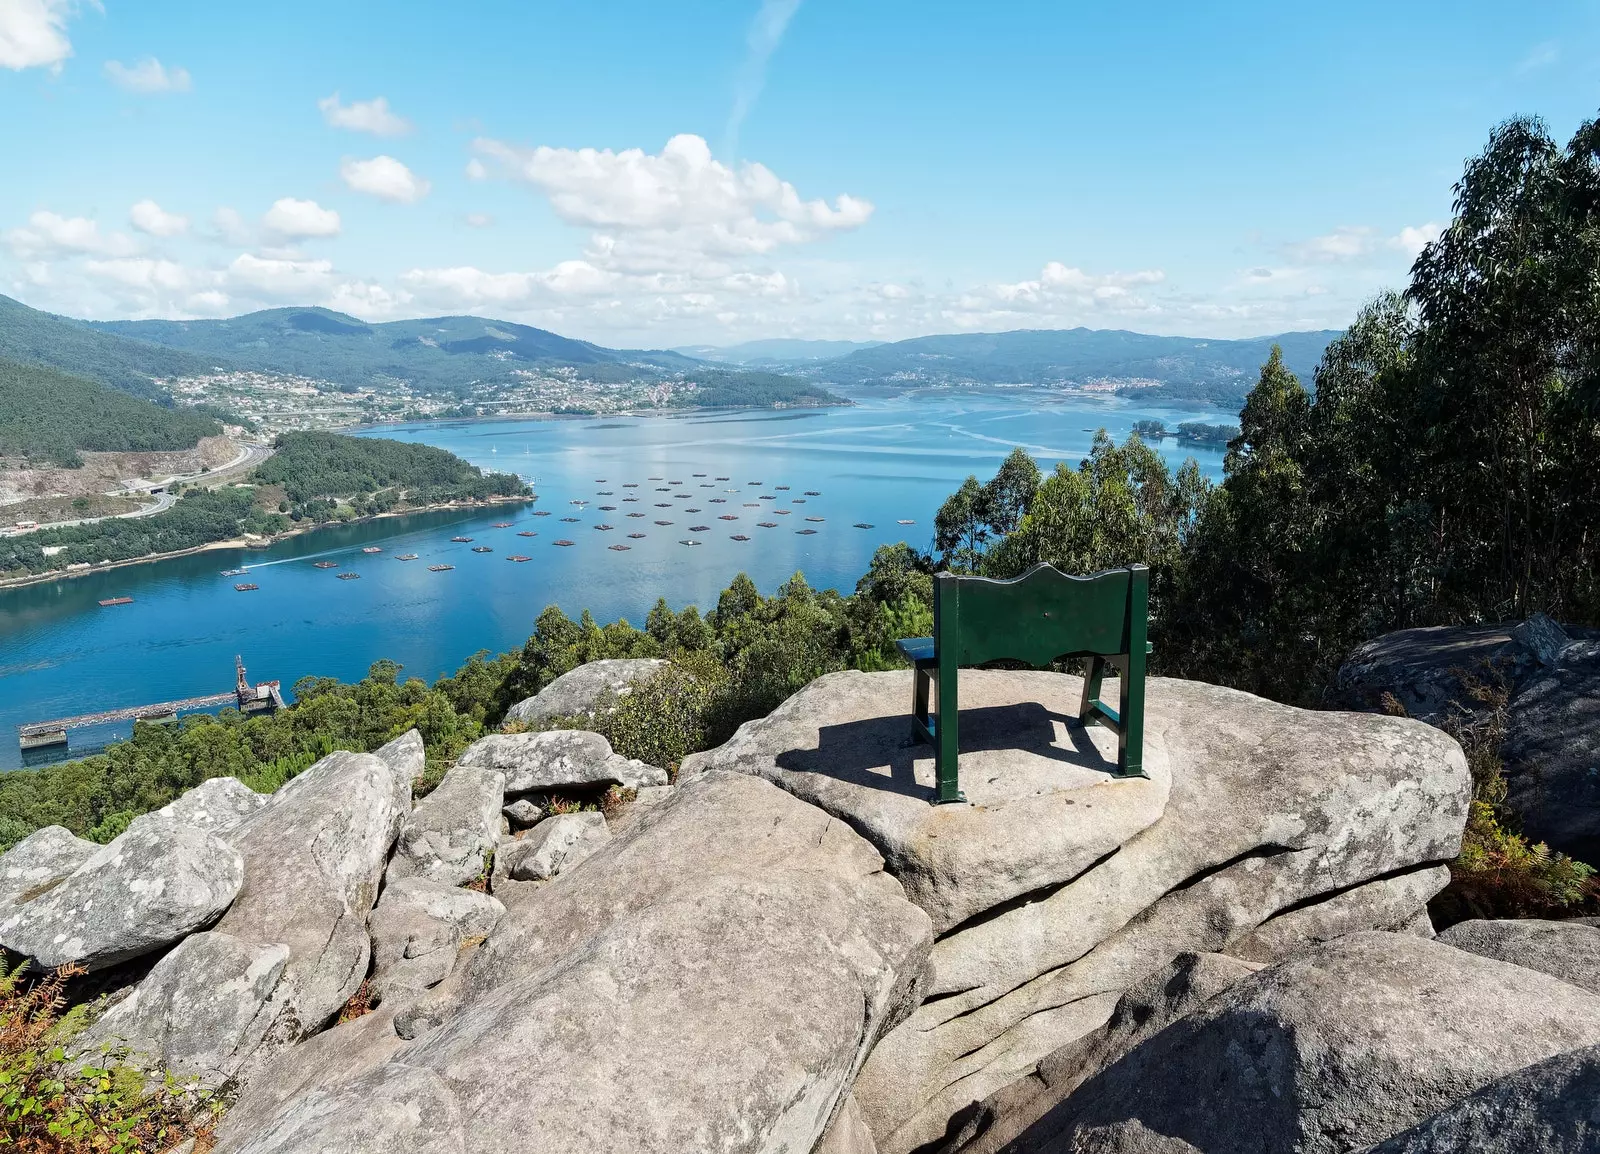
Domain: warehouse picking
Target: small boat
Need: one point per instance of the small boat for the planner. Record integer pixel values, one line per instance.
(605, 528)
(663, 522)
(518, 557)
(527, 533)
(440, 568)
(349, 576)
(326, 564)
(767, 524)
(619, 548)
(482, 549)
(405, 557)
(812, 493)
(246, 586)
(635, 536)
(905, 522)
(373, 549)
(461, 538)
(862, 525)
(804, 532)
(117, 601)
(234, 572)
(686, 541)
(739, 537)
(814, 518)
(728, 517)
(699, 528)
(566, 544)
(569, 520)
(541, 512)
(501, 525)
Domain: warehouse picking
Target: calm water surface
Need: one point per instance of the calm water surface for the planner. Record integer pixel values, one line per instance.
(879, 462)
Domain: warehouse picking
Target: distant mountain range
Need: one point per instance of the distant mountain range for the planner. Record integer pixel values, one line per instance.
(776, 352)
(1178, 368)
(31, 337)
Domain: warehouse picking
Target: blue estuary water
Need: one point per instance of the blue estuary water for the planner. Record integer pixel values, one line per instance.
(878, 463)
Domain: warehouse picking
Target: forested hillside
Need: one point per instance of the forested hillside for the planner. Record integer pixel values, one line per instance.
(31, 337)
(48, 416)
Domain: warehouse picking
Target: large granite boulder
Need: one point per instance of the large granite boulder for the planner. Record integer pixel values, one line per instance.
(418, 929)
(555, 844)
(1551, 1107)
(709, 980)
(1332, 1050)
(581, 691)
(1566, 950)
(40, 862)
(216, 804)
(557, 759)
(451, 832)
(1552, 752)
(1254, 811)
(157, 882)
(407, 761)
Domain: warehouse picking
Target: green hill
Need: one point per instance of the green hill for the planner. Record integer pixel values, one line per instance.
(1183, 368)
(47, 415)
(31, 337)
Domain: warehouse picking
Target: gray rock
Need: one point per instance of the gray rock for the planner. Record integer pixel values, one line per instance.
(847, 1133)
(1551, 1107)
(418, 929)
(158, 882)
(1334, 1049)
(1561, 949)
(1268, 810)
(524, 812)
(313, 859)
(216, 804)
(211, 981)
(40, 862)
(450, 833)
(1543, 639)
(555, 844)
(1423, 669)
(728, 964)
(407, 760)
(557, 759)
(1398, 902)
(583, 690)
(1552, 755)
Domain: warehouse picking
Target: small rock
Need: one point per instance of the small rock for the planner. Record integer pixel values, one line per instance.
(555, 844)
(417, 931)
(581, 690)
(557, 759)
(523, 812)
(149, 888)
(217, 804)
(1542, 638)
(1563, 950)
(451, 831)
(39, 862)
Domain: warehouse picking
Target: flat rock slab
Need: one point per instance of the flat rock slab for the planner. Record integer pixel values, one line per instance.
(1042, 802)
(150, 887)
(557, 759)
(217, 804)
(1565, 950)
(580, 691)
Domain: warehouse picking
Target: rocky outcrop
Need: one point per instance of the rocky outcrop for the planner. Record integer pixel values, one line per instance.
(558, 759)
(1565, 950)
(728, 960)
(40, 862)
(217, 804)
(1333, 1050)
(1548, 1108)
(1267, 811)
(1533, 688)
(451, 832)
(158, 882)
(582, 691)
(418, 929)
(555, 844)
(407, 761)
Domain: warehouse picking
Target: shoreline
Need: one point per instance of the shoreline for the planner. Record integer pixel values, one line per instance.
(688, 411)
(245, 543)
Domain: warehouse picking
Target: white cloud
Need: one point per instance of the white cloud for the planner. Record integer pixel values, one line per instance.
(1540, 56)
(766, 33)
(33, 33)
(291, 219)
(149, 217)
(385, 178)
(479, 219)
(48, 233)
(149, 75)
(1412, 239)
(372, 116)
(1058, 283)
(652, 209)
(144, 273)
(301, 281)
(1347, 242)
(477, 170)
(230, 226)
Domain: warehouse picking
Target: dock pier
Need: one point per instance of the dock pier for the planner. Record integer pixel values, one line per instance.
(262, 697)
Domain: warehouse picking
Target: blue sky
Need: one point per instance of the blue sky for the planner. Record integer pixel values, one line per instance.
(664, 174)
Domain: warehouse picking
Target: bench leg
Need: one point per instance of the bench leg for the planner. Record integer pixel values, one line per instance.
(920, 683)
(1088, 714)
(1130, 731)
(947, 738)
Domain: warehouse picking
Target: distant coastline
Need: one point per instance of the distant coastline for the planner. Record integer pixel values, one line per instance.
(676, 411)
(247, 542)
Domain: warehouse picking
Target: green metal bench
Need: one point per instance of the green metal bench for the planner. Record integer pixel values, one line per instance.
(1044, 615)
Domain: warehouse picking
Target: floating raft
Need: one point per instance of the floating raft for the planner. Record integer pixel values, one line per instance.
(234, 572)
(767, 524)
(373, 549)
(663, 522)
(686, 541)
(782, 512)
(605, 528)
(608, 508)
(905, 522)
(691, 509)
(326, 564)
(405, 557)
(246, 586)
(440, 568)
(862, 525)
(501, 525)
(728, 517)
(719, 500)
(697, 474)
(461, 538)
(663, 504)
(569, 520)
(674, 482)
(699, 528)
(482, 549)
(798, 501)
(576, 501)
(752, 482)
(619, 548)
(804, 532)
(813, 493)
(349, 576)
(766, 497)
(781, 488)
(117, 601)
(719, 478)
(517, 557)
(739, 537)
(566, 544)
(600, 481)
(527, 533)
(816, 518)
(541, 512)
(635, 536)
(655, 478)
(631, 485)
(636, 514)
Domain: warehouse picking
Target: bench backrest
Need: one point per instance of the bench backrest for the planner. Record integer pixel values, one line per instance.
(1041, 616)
